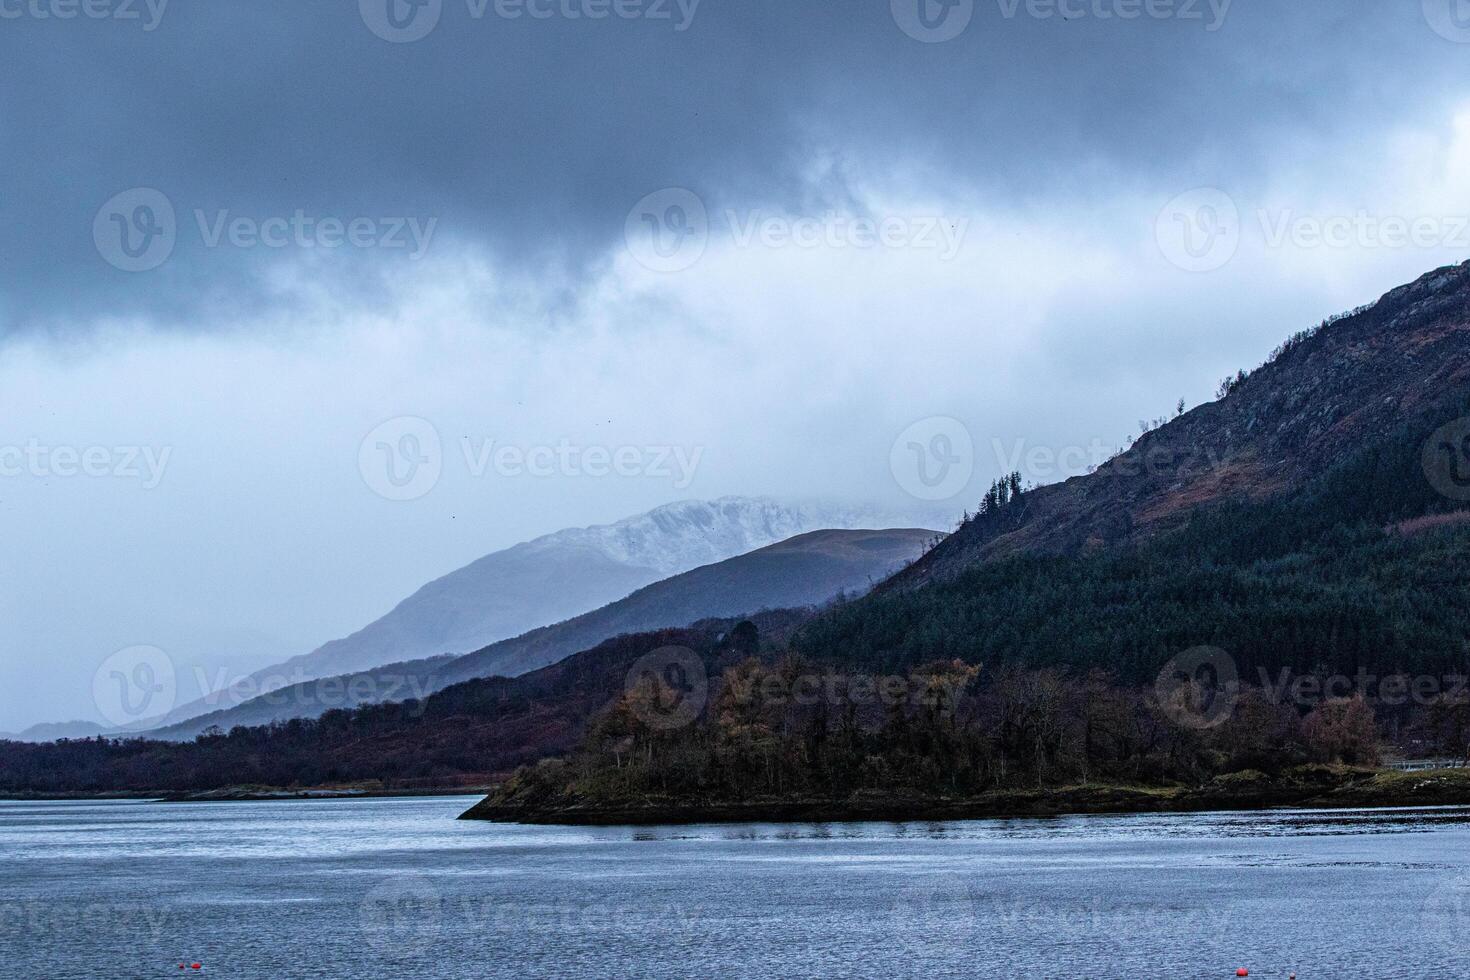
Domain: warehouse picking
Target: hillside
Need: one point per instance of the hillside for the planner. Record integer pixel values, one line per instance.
(1310, 529)
(1326, 395)
(1303, 520)
(464, 735)
(807, 570)
(540, 582)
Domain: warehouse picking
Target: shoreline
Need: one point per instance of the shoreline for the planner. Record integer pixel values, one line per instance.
(1330, 789)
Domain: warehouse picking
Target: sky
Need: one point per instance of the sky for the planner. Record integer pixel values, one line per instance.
(303, 305)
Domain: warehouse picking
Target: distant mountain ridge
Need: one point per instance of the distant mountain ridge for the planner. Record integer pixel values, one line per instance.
(52, 731)
(805, 571)
(547, 580)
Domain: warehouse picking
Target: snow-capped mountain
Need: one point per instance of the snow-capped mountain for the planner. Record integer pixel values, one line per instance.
(551, 579)
(684, 535)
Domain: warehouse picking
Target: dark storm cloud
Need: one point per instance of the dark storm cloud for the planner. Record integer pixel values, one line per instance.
(533, 136)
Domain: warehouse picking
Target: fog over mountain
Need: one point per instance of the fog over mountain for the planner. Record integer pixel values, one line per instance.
(550, 579)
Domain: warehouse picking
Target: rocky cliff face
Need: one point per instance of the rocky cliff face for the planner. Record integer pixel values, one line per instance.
(1351, 382)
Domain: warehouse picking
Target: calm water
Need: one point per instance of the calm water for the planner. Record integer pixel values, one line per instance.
(397, 888)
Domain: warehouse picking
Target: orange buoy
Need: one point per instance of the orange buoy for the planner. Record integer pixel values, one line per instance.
(196, 966)
(1242, 972)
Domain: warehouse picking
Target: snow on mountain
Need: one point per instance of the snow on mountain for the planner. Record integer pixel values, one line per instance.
(551, 579)
(684, 535)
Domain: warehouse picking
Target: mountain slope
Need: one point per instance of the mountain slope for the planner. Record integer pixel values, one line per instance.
(1325, 395)
(807, 570)
(1328, 531)
(544, 581)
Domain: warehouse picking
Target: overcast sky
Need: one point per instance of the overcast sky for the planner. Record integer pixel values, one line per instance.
(252, 253)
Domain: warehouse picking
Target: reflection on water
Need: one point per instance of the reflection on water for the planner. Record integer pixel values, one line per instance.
(398, 888)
